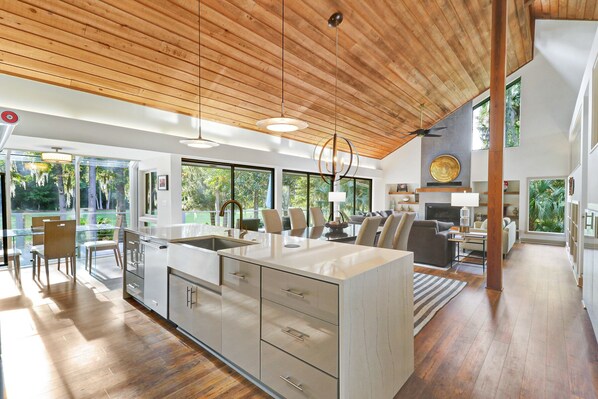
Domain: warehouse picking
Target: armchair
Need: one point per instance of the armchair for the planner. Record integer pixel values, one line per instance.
(429, 242)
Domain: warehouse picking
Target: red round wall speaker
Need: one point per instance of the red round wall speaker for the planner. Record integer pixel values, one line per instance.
(9, 117)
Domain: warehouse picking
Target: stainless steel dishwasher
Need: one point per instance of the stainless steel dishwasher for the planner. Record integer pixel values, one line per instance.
(154, 255)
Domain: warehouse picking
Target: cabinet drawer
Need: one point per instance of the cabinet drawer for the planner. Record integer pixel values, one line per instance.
(316, 298)
(241, 276)
(134, 285)
(303, 336)
(294, 379)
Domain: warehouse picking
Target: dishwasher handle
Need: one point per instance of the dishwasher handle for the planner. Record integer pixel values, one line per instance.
(151, 244)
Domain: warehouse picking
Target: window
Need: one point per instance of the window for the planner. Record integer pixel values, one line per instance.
(104, 191)
(40, 188)
(481, 119)
(206, 186)
(304, 190)
(150, 193)
(546, 205)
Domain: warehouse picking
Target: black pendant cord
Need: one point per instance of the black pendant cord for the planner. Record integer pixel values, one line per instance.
(282, 65)
(335, 76)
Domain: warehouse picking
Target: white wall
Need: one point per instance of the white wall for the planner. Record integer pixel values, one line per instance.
(549, 87)
(39, 131)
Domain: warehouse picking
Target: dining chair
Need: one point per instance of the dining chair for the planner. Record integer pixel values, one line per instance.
(37, 240)
(368, 230)
(317, 216)
(297, 218)
(14, 256)
(272, 221)
(105, 245)
(249, 224)
(389, 231)
(59, 242)
(402, 235)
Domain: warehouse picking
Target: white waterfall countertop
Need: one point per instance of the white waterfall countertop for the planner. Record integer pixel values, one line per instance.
(323, 260)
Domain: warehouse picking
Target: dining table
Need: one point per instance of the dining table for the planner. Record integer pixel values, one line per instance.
(347, 234)
(18, 237)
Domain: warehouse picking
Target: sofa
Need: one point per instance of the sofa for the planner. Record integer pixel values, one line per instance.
(509, 236)
(360, 217)
(429, 242)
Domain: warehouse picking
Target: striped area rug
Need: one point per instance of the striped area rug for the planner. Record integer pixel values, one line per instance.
(430, 294)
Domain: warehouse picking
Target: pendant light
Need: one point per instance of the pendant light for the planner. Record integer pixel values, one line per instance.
(199, 142)
(331, 166)
(57, 156)
(282, 124)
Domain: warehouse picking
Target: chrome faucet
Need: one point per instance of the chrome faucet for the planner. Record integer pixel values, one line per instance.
(235, 202)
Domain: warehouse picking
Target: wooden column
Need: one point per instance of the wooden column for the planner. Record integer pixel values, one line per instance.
(495, 155)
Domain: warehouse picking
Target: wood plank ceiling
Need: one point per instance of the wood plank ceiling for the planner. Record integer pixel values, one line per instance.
(393, 56)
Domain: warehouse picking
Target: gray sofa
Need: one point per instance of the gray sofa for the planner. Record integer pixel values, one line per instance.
(359, 218)
(429, 242)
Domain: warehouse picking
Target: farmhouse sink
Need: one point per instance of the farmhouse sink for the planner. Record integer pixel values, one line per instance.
(198, 257)
(216, 243)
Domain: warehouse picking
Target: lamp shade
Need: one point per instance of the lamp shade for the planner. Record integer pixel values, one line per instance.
(465, 199)
(337, 196)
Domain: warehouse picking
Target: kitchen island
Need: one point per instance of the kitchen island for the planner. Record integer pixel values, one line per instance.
(301, 318)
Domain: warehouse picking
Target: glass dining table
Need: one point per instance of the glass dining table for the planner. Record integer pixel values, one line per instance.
(348, 234)
(21, 239)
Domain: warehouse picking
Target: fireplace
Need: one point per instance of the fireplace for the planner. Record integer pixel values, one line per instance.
(443, 212)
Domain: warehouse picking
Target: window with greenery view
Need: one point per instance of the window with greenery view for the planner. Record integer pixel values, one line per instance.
(40, 188)
(205, 187)
(547, 205)
(104, 190)
(481, 119)
(304, 190)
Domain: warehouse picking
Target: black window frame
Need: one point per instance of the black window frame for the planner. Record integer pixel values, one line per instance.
(487, 100)
(330, 187)
(232, 166)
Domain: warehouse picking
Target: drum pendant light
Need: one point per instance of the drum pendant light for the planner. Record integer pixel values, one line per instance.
(199, 142)
(282, 124)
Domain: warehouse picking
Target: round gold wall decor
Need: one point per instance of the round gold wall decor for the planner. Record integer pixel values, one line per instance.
(445, 168)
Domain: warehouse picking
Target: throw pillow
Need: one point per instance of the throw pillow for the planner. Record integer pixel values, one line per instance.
(443, 226)
(507, 221)
(484, 225)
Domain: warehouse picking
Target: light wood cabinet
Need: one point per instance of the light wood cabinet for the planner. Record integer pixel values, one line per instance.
(241, 283)
(196, 310)
(294, 379)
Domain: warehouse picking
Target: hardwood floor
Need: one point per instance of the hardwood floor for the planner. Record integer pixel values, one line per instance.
(82, 340)
(533, 340)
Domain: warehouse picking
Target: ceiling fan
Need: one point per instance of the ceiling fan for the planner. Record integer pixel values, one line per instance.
(421, 132)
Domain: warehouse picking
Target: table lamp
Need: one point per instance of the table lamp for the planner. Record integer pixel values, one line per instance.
(465, 200)
(336, 197)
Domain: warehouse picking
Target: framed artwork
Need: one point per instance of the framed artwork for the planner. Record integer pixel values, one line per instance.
(163, 182)
(402, 188)
(571, 185)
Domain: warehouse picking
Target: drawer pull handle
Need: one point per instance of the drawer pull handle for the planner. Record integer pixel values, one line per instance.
(291, 383)
(191, 302)
(291, 292)
(237, 275)
(133, 289)
(294, 333)
(133, 242)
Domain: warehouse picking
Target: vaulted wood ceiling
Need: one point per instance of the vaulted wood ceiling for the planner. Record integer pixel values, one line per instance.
(393, 56)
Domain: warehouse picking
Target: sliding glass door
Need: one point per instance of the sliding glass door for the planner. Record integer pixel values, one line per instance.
(304, 190)
(206, 186)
